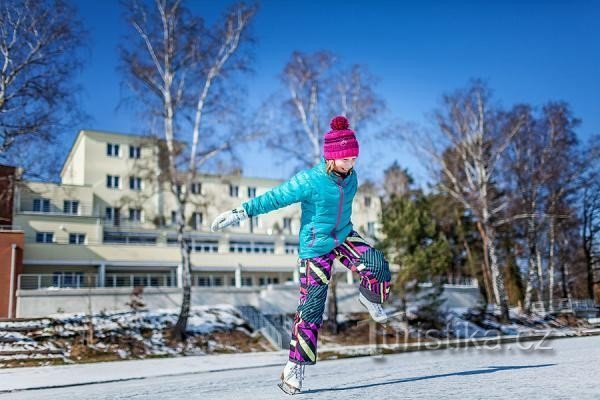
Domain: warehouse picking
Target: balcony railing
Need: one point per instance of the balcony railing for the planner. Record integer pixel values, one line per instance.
(81, 209)
(56, 281)
(80, 281)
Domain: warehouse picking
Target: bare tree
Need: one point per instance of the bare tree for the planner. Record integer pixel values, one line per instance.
(478, 135)
(39, 59)
(318, 89)
(178, 69)
(590, 215)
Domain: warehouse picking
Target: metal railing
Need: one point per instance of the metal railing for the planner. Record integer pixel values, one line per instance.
(146, 280)
(56, 281)
(462, 282)
(564, 305)
(261, 323)
(81, 209)
(79, 281)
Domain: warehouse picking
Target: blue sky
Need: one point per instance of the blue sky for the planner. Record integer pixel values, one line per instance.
(528, 51)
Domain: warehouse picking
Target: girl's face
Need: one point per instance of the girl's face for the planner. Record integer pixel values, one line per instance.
(343, 165)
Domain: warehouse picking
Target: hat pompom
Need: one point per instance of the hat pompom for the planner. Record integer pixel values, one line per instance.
(339, 123)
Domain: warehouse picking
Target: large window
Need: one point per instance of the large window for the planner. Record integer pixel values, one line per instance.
(197, 220)
(135, 215)
(113, 181)
(251, 192)
(112, 149)
(112, 215)
(196, 188)
(76, 238)
(291, 248)
(287, 225)
(41, 205)
(134, 151)
(71, 207)
(367, 201)
(234, 191)
(251, 247)
(133, 238)
(44, 237)
(135, 183)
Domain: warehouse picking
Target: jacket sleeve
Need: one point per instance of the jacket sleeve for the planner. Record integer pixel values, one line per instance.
(294, 190)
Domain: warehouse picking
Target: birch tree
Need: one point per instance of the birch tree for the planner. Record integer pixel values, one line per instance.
(178, 69)
(478, 134)
(317, 88)
(40, 43)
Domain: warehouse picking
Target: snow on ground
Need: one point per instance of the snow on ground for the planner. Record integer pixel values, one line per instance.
(125, 333)
(559, 369)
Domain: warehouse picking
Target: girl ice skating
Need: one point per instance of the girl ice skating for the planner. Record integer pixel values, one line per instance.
(325, 192)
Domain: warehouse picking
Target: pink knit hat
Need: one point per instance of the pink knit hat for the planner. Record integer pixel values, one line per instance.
(340, 141)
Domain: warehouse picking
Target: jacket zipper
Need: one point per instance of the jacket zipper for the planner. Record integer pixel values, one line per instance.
(339, 213)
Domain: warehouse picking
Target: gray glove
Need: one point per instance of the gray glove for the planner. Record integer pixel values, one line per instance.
(229, 218)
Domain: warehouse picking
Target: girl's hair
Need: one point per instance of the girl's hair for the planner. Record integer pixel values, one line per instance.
(330, 166)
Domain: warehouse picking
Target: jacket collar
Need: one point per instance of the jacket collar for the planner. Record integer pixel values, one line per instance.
(322, 167)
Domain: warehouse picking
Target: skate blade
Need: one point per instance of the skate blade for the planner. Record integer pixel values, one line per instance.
(288, 389)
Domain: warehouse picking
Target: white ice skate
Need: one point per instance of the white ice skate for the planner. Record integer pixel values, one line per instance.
(291, 378)
(375, 309)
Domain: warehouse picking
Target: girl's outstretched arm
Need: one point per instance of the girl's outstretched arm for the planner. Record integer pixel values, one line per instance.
(294, 190)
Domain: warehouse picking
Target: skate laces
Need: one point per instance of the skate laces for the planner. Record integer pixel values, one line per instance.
(299, 372)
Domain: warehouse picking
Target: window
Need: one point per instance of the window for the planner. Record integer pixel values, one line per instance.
(367, 201)
(197, 220)
(133, 238)
(41, 205)
(134, 151)
(234, 190)
(112, 215)
(254, 223)
(291, 248)
(71, 207)
(135, 183)
(267, 280)
(205, 246)
(112, 149)
(135, 215)
(371, 228)
(240, 247)
(76, 238)
(203, 281)
(67, 279)
(173, 217)
(287, 225)
(246, 281)
(251, 192)
(112, 181)
(44, 237)
(196, 188)
(178, 189)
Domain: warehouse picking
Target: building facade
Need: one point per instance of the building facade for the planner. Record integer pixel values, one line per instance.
(110, 223)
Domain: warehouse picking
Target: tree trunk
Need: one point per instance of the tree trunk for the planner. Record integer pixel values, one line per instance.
(552, 241)
(179, 330)
(485, 267)
(497, 278)
(532, 270)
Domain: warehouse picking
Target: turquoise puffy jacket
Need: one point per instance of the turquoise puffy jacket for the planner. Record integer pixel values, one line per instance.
(326, 202)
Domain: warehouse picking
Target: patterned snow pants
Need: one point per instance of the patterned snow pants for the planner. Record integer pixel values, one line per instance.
(315, 273)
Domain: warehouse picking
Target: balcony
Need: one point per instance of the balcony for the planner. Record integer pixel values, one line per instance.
(81, 281)
(78, 209)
